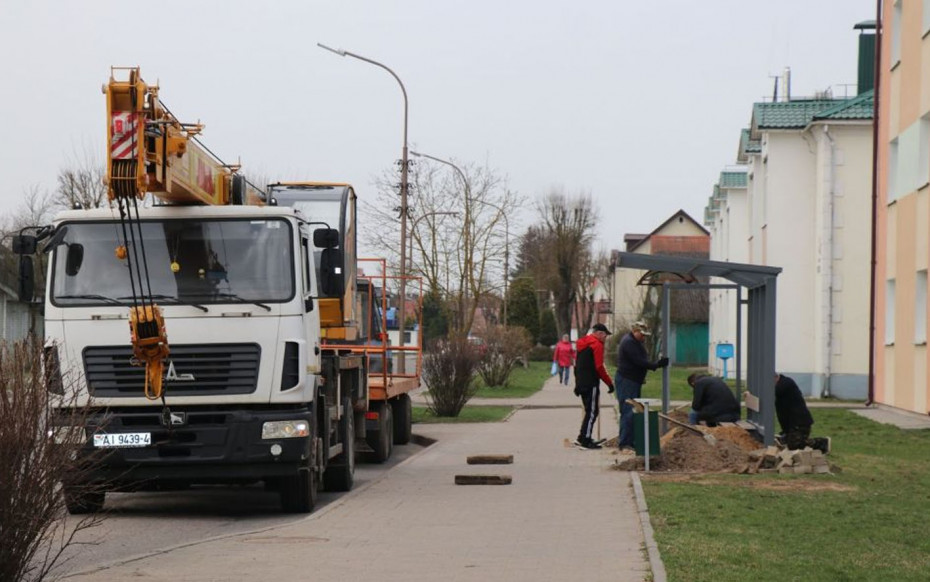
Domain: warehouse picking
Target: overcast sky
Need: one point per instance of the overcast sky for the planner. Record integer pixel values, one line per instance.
(638, 103)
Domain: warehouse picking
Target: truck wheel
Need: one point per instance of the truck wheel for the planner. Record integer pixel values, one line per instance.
(340, 472)
(403, 413)
(382, 439)
(80, 500)
(299, 492)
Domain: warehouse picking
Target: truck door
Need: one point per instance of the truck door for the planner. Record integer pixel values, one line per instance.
(311, 312)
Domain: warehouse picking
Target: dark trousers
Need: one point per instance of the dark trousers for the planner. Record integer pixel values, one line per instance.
(564, 374)
(590, 399)
(626, 389)
(798, 437)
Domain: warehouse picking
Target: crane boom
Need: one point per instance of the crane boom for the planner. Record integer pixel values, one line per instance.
(150, 151)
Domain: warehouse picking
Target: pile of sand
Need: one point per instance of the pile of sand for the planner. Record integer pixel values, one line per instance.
(686, 451)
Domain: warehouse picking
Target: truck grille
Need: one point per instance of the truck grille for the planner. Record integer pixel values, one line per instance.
(216, 369)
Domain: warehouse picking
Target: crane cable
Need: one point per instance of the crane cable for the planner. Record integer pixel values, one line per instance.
(146, 323)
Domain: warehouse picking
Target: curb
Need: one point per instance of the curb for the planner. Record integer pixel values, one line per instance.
(652, 549)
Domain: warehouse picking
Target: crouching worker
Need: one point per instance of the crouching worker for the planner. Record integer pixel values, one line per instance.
(713, 401)
(589, 371)
(794, 417)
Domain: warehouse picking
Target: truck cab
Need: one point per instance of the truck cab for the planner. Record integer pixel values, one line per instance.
(250, 393)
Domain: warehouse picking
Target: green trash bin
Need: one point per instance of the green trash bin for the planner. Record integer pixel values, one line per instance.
(639, 433)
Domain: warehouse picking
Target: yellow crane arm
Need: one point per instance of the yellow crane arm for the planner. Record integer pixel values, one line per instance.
(151, 151)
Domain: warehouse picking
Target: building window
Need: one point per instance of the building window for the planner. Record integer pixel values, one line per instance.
(893, 171)
(896, 33)
(920, 308)
(889, 312)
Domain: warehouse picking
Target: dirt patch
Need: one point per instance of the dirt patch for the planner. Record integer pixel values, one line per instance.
(683, 450)
(733, 450)
(781, 485)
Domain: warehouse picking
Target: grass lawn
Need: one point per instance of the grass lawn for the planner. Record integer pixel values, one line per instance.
(523, 382)
(468, 414)
(864, 523)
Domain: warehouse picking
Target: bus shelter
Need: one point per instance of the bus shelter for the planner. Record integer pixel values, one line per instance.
(759, 281)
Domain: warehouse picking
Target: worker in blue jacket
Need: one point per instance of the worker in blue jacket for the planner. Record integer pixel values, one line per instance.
(632, 365)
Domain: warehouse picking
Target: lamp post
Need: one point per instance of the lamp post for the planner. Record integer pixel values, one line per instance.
(499, 209)
(402, 315)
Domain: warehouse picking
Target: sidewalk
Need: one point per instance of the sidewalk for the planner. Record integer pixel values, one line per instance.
(566, 516)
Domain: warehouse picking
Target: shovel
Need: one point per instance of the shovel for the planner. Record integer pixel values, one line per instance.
(711, 439)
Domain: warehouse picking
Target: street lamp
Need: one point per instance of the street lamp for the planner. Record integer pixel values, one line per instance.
(499, 209)
(403, 196)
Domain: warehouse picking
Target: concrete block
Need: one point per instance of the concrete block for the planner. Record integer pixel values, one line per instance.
(490, 459)
(802, 469)
(483, 479)
(821, 469)
(785, 470)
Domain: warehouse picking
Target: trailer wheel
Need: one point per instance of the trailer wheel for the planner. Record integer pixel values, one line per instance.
(299, 492)
(80, 500)
(382, 439)
(340, 473)
(403, 415)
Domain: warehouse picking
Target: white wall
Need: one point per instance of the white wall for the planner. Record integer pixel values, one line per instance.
(729, 233)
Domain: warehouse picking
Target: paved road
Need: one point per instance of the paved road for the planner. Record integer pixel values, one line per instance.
(140, 523)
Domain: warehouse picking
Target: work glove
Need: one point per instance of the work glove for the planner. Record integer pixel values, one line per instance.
(662, 362)
(610, 389)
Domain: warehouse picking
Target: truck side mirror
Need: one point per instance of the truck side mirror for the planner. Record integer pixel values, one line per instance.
(332, 278)
(27, 280)
(74, 259)
(24, 244)
(326, 238)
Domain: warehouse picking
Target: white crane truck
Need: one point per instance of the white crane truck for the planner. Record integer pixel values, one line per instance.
(260, 381)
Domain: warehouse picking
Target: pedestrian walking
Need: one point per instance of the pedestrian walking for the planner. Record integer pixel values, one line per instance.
(632, 365)
(564, 358)
(589, 371)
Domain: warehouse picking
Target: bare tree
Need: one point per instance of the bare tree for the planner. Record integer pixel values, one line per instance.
(593, 271)
(460, 257)
(81, 185)
(41, 440)
(35, 209)
(568, 223)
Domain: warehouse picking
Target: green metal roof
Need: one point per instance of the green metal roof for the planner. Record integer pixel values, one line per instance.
(733, 179)
(747, 145)
(788, 114)
(799, 113)
(861, 107)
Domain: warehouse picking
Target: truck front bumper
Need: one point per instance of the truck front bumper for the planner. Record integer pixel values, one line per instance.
(200, 446)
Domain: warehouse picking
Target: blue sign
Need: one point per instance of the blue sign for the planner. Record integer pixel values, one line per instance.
(724, 351)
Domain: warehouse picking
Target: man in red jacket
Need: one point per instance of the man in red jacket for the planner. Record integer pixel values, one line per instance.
(564, 357)
(589, 371)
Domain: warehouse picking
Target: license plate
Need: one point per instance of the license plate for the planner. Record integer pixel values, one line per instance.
(123, 439)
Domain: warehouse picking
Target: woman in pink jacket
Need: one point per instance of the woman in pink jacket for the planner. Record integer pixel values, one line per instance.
(564, 357)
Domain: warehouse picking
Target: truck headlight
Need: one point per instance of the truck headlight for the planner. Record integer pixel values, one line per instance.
(285, 429)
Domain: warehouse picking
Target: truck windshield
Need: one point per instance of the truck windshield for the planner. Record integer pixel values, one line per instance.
(196, 261)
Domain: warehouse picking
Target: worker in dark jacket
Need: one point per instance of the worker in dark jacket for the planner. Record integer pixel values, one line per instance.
(632, 365)
(589, 371)
(713, 401)
(793, 416)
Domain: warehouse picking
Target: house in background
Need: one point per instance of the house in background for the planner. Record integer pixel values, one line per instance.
(680, 235)
(902, 240)
(17, 318)
(726, 217)
(808, 192)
